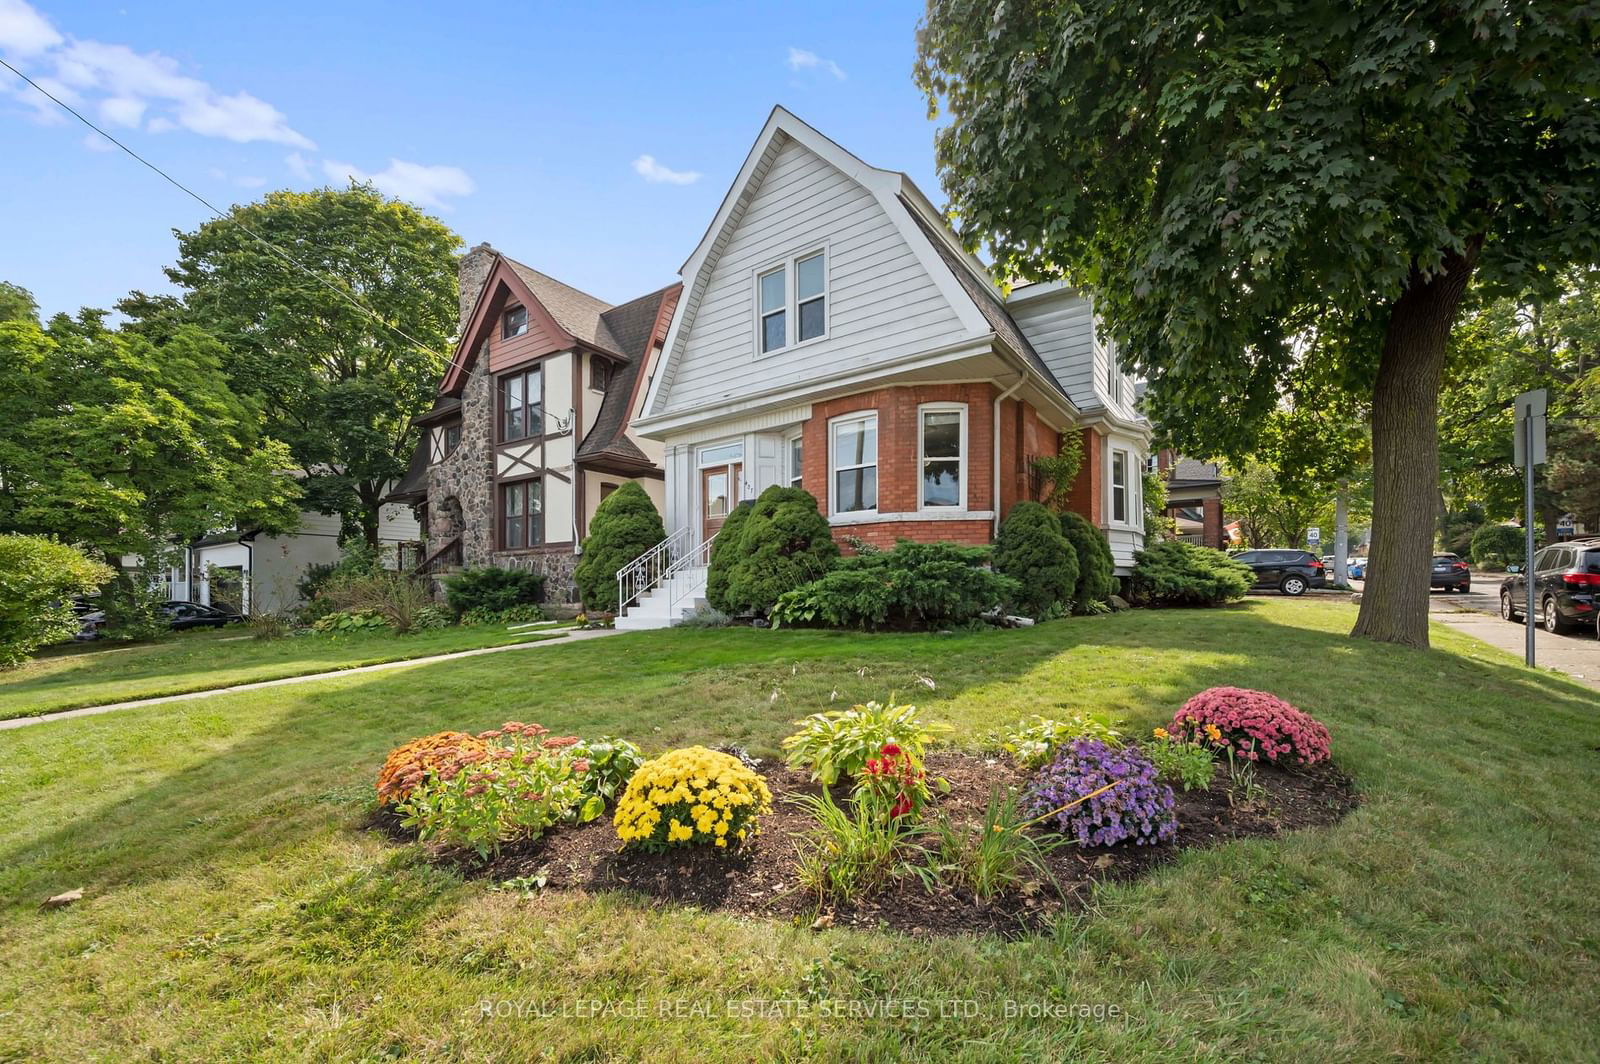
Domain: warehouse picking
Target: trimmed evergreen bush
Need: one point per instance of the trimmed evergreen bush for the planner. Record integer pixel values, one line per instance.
(625, 525)
(783, 543)
(1497, 546)
(1182, 574)
(1033, 552)
(1097, 579)
(724, 550)
(916, 585)
(38, 578)
(488, 588)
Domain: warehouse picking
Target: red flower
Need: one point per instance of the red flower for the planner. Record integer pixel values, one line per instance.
(559, 741)
(890, 750)
(902, 806)
(581, 765)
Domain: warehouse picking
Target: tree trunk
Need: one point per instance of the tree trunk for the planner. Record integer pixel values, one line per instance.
(370, 502)
(1405, 453)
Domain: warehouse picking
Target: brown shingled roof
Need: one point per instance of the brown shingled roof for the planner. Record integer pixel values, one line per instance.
(633, 325)
(580, 313)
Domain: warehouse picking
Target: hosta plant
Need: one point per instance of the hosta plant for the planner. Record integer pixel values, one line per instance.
(612, 762)
(1254, 725)
(837, 744)
(1132, 804)
(691, 797)
(520, 785)
(408, 764)
(1033, 743)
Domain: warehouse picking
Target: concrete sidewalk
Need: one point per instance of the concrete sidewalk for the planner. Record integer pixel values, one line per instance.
(89, 711)
(1577, 655)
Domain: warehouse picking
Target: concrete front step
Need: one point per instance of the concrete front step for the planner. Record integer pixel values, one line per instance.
(653, 610)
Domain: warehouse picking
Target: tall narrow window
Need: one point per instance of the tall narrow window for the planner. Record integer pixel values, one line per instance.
(521, 514)
(796, 465)
(774, 304)
(521, 405)
(855, 464)
(1119, 486)
(942, 434)
(810, 299)
(515, 323)
(599, 373)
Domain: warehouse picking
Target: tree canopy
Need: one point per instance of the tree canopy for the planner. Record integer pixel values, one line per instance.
(339, 387)
(111, 440)
(1248, 187)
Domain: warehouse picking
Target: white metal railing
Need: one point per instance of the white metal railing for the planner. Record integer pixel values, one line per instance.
(699, 558)
(646, 572)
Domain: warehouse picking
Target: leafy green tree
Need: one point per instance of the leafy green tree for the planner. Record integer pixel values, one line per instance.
(38, 579)
(783, 543)
(17, 304)
(625, 525)
(110, 440)
(336, 385)
(1247, 187)
(1270, 512)
(1097, 580)
(1032, 551)
(1498, 545)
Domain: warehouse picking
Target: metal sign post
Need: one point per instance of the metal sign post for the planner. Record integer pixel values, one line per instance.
(1529, 452)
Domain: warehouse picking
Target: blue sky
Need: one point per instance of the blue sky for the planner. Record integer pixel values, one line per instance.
(591, 141)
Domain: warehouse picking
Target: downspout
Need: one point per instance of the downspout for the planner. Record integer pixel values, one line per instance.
(995, 478)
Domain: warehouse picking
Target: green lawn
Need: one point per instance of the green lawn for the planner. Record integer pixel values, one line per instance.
(235, 910)
(91, 674)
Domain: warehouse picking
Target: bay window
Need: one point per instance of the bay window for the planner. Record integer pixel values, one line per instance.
(941, 454)
(1119, 487)
(855, 463)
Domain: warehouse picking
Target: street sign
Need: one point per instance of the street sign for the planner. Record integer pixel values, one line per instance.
(1530, 408)
(1567, 525)
(1314, 536)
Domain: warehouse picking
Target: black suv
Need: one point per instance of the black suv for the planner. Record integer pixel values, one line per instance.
(1566, 585)
(1290, 571)
(1450, 573)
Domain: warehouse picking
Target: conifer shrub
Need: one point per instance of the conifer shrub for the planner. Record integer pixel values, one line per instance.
(1097, 580)
(625, 526)
(783, 543)
(1032, 551)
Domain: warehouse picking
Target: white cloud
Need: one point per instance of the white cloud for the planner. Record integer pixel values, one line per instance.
(249, 181)
(298, 166)
(647, 167)
(426, 186)
(23, 31)
(95, 142)
(126, 83)
(800, 59)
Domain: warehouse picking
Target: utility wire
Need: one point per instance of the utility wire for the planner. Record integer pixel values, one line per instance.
(338, 288)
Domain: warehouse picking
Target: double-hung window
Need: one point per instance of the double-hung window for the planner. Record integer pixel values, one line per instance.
(514, 323)
(795, 292)
(796, 465)
(855, 464)
(1119, 486)
(941, 453)
(521, 514)
(521, 405)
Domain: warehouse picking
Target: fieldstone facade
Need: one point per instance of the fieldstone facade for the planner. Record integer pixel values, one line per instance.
(461, 501)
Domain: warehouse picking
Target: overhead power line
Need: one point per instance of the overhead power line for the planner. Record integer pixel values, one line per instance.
(338, 288)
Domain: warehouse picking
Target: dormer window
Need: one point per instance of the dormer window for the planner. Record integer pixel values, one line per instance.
(515, 323)
(599, 373)
(797, 291)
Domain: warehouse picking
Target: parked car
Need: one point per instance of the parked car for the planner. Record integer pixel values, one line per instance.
(1290, 571)
(186, 615)
(1450, 573)
(1357, 568)
(1566, 584)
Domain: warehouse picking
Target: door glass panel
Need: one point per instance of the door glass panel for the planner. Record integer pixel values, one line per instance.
(716, 495)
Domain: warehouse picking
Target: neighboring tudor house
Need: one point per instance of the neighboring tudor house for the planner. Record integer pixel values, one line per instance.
(833, 334)
(533, 423)
(252, 571)
(1194, 499)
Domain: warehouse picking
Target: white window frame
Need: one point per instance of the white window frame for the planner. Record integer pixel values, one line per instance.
(834, 424)
(790, 265)
(961, 457)
(789, 476)
(1111, 482)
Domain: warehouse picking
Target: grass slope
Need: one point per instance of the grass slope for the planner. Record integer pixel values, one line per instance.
(233, 910)
(96, 674)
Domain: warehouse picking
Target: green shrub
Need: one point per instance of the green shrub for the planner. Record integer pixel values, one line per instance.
(625, 525)
(1036, 740)
(916, 585)
(38, 579)
(784, 543)
(1182, 574)
(1498, 546)
(356, 559)
(611, 764)
(399, 598)
(989, 857)
(838, 743)
(724, 552)
(492, 588)
(1033, 552)
(432, 618)
(527, 613)
(1097, 579)
(133, 607)
(341, 622)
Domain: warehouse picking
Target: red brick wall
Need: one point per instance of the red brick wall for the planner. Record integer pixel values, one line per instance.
(1088, 491)
(1022, 434)
(1211, 523)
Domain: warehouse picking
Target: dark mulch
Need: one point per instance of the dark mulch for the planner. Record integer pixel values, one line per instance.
(760, 878)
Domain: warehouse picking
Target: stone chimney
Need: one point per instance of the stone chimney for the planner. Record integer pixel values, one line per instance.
(472, 273)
